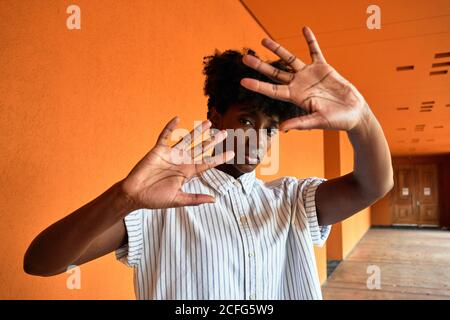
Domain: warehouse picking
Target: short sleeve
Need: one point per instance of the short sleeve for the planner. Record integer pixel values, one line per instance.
(130, 253)
(306, 209)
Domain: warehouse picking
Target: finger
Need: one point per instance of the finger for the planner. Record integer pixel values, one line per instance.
(167, 131)
(211, 162)
(207, 145)
(284, 54)
(308, 122)
(275, 91)
(192, 199)
(314, 49)
(267, 69)
(186, 141)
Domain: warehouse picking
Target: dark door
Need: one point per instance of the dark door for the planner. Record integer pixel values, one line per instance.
(426, 194)
(415, 198)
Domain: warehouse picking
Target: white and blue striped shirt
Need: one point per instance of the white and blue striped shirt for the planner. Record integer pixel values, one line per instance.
(255, 242)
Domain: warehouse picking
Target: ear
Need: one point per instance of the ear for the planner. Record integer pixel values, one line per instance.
(215, 118)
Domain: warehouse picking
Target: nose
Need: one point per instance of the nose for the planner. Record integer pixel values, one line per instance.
(258, 147)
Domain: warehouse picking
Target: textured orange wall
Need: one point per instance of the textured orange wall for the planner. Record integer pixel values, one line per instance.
(381, 212)
(79, 108)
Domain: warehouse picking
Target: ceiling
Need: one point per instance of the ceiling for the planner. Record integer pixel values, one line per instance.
(412, 103)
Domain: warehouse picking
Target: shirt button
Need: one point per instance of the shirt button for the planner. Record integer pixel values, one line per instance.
(252, 297)
(251, 254)
(243, 220)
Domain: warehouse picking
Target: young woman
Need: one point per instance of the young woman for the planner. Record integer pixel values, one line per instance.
(211, 229)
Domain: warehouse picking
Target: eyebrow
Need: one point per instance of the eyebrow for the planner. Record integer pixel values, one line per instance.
(274, 122)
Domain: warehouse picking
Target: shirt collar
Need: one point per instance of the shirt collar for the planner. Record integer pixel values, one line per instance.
(222, 182)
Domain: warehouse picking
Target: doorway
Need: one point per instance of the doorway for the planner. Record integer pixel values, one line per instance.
(416, 195)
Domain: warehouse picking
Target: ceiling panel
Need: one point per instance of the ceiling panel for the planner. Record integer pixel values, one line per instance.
(411, 34)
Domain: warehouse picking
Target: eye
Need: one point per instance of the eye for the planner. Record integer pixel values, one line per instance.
(245, 122)
(271, 132)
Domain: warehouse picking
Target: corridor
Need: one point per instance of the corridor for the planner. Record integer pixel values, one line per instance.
(413, 264)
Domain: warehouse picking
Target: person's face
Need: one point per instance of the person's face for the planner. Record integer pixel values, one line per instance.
(247, 119)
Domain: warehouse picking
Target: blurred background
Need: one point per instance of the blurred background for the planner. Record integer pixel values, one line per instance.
(78, 108)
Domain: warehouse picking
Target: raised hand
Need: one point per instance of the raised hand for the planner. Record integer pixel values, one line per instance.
(331, 101)
(156, 181)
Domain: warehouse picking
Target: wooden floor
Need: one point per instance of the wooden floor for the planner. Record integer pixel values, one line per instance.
(413, 264)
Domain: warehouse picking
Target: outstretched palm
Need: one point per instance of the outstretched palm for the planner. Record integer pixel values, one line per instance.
(331, 101)
(156, 181)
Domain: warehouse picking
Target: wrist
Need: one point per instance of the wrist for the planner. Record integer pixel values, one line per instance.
(125, 201)
(364, 123)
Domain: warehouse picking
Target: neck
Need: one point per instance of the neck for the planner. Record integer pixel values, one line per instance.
(229, 169)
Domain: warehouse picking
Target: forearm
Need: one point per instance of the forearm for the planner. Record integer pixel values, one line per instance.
(372, 159)
(58, 246)
(340, 198)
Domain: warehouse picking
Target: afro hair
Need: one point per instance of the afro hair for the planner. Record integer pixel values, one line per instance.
(224, 72)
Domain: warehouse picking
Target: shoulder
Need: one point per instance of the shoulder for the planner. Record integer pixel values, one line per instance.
(290, 185)
(290, 181)
(278, 183)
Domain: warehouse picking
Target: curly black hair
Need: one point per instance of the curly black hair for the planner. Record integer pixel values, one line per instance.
(224, 72)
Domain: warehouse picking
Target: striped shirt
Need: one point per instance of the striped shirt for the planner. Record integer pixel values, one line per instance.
(255, 241)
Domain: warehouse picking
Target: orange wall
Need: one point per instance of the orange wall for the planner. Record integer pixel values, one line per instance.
(381, 211)
(80, 108)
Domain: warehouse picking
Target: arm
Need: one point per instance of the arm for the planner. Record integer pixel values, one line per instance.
(332, 103)
(98, 228)
(371, 179)
(92, 231)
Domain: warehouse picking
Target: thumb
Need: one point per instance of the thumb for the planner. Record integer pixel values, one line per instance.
(192, 199)
(310, 121)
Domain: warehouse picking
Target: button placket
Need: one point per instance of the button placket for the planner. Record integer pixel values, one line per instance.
(244, 207)
(242, 225)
